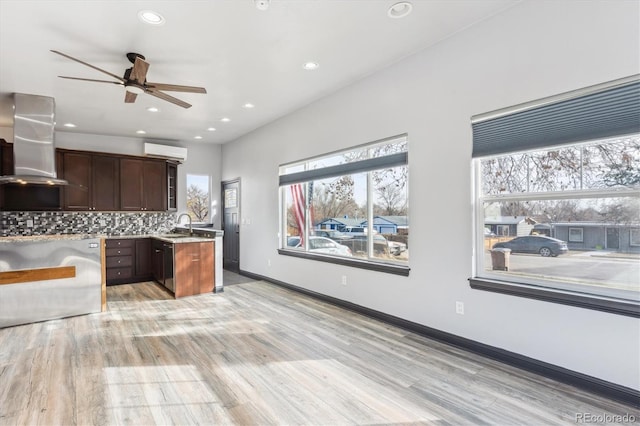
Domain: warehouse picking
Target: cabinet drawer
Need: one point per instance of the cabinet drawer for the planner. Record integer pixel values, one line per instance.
(126, 242)
(119, 273)
(119, 261)
(125, 251)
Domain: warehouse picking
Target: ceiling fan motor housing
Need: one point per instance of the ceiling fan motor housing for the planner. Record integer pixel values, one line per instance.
(131, 56)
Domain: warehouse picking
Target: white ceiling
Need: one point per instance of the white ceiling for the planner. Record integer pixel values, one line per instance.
(238, 53)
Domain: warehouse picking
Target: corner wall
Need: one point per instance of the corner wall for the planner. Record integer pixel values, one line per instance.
(536, 49)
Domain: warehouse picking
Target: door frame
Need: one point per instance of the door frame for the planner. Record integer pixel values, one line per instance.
(222, 184)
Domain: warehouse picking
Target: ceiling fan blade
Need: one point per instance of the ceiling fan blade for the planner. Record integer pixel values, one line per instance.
(92, 80)
(129, 97)
(139, 71)
(176, 88)
(90, 66)
(168, 98)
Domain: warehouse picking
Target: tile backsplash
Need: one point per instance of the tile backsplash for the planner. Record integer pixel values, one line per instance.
(113, 223)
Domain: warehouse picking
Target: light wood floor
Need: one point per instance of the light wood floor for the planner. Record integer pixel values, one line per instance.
(259, 354)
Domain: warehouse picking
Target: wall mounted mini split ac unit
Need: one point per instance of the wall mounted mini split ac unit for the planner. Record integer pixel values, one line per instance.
(165, 151)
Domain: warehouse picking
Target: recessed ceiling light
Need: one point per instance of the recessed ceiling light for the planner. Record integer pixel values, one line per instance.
(151, 17)
(197, 137)
(400, 10)
(153, 109)
(310, 66)
(69, 125)
(211, 129)
(262, 4)
(225, 119)
(248, 106)
(140, 132)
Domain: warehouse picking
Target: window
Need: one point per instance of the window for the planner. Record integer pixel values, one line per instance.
(349, 207)
(576, 235)
(567, 170)
(503, 230)
(198, 198)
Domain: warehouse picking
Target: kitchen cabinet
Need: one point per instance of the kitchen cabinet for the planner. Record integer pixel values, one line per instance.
(184, 268)
(193, 273)
(93, 181)
(142, 258)
(119, 260)
(6, 157)
(143, 184)
(128, 260)
(106, 183)
(172, 186)
(97, 181)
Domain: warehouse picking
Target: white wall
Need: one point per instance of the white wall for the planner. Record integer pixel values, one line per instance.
(536, 49)
(202, 159)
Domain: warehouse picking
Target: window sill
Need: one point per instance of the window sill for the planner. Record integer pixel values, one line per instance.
(356, 263)
(614, 306)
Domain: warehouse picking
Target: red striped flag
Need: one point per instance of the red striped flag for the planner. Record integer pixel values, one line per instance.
(299, 208)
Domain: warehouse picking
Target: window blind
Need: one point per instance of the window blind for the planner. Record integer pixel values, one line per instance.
(597, 112)
(388, 161)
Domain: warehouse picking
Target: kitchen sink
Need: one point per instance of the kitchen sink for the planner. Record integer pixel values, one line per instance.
(175, 236)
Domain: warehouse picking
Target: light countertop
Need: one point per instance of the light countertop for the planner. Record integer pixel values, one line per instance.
(170, 237)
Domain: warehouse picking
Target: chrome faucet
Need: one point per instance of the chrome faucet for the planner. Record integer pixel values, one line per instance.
(190, 227)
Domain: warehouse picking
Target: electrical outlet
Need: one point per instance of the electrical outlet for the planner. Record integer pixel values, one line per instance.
(344, 280)
(29, 223)
(102, 222)
(460, 308)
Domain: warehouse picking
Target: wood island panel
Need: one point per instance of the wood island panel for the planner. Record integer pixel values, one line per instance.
(39, 274)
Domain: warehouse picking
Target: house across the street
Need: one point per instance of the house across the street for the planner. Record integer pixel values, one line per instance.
(381, 224)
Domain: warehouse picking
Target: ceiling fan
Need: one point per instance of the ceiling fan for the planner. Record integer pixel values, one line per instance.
(135, 81)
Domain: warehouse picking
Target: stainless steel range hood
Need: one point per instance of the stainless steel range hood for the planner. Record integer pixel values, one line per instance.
(33, 145)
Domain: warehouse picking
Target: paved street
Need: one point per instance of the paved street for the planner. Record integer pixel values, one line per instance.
(597, 268)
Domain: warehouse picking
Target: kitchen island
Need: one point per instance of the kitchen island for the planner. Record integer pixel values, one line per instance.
(49, 277)
(56, 276)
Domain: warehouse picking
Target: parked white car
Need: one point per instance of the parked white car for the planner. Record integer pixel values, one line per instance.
(396, 248)
(321, 245)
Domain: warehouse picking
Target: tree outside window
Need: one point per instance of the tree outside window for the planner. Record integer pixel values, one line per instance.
(198, 205)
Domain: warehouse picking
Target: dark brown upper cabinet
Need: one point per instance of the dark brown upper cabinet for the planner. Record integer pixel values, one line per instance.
(143, 184)
(172, 186)
(97, 181)
(93, 181)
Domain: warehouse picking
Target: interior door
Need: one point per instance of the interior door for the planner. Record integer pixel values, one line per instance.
(231, 225)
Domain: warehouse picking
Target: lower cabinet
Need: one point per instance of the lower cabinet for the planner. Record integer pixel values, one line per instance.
(185, 269)
(194, 265)
(128, 260)
(142, 263)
